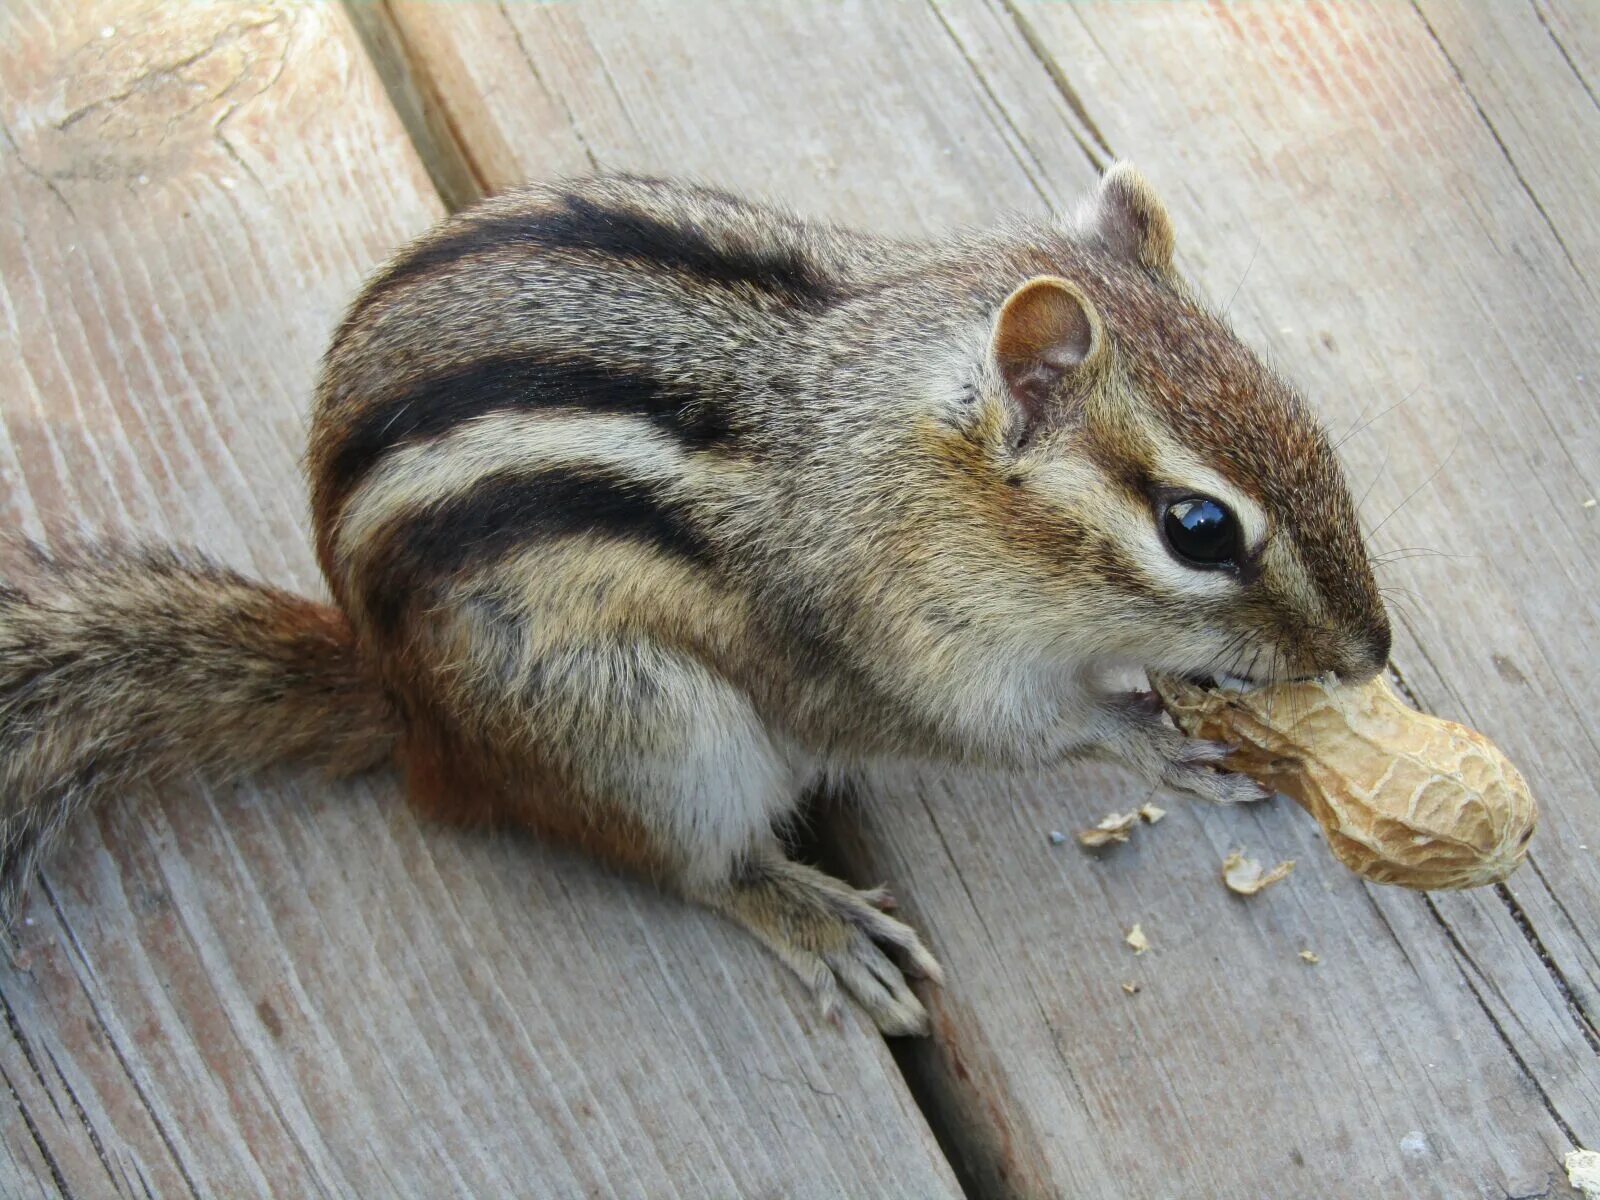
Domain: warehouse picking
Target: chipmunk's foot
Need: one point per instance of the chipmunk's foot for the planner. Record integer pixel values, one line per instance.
(1196, 768)
(1143, 740)
(831, 934)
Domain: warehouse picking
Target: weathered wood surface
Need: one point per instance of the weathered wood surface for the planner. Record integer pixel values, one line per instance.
(1519, 64)
(295, 988)
(1400, 214)
(292, 989)
(1406, 242)
(1400, 253)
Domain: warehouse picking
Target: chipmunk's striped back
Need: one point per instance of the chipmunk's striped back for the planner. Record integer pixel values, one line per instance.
(539, 448)
(559, 364)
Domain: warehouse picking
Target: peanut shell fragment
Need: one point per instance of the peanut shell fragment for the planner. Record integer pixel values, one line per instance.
(1583, 1172)
(1403, 797)
(1246, 876)
(1119, 827)
(1113, 827)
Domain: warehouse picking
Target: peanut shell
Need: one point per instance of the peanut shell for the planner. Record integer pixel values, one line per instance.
(1404, 797)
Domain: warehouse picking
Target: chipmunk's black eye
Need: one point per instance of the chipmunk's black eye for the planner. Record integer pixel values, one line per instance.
(1201, 532)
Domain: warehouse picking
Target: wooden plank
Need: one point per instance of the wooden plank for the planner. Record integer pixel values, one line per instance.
(1572, 27)
(292, 989)
(1339, 141)
(472, 75)
(1501, 350)
(1432, 1051)
(736, 96)
(1528, 71)
(1530, 91)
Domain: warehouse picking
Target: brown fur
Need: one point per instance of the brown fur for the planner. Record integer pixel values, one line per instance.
(460, 781)
(121, 668)
(646, 504)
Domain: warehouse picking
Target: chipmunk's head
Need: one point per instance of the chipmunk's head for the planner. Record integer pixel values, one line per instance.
(1169, 487)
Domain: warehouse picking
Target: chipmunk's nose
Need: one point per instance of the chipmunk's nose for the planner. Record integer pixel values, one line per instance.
(1382, 642)
(1372, 659)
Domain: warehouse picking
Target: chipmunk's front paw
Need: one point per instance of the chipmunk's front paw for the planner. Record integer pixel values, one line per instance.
(1196, 769)
(1160, 752)
(831, 934)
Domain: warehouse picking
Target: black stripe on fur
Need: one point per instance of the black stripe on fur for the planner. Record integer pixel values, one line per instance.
(580, 225)
(436, 405)
(506, 512)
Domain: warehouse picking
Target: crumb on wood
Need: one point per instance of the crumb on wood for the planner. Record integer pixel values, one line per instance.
(1131, 988)
(1113, 827)
(1311, 956)
(1583, 1172)
(1135, 937)
(1245, 876)
(1151, 813)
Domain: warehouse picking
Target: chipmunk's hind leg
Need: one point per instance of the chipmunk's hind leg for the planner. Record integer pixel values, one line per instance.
(721, 790)
(651, 761)
(829, 933)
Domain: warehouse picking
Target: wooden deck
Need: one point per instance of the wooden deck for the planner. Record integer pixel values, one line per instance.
(294, 989)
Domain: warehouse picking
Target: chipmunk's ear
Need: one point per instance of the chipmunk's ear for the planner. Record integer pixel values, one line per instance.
(1045, 332)
(1127, 218)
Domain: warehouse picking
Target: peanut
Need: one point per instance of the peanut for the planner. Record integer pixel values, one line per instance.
(1403, 797)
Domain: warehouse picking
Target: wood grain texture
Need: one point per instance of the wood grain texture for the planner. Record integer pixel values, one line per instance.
(1398, 251)
(866, 107)
(291, 989)
(1572, 27)
(1520, 69)
(1476, 308)
(1442, 1047)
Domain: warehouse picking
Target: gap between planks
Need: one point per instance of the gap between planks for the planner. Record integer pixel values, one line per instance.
(1505, 151)
(445, 154)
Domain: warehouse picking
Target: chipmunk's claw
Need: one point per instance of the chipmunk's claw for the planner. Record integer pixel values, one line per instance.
(1198, 770)
(833, 937)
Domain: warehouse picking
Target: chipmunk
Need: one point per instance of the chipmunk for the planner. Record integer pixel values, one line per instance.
(642, 505)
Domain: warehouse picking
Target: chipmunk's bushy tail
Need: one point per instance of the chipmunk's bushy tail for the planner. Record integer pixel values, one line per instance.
(121, 668)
